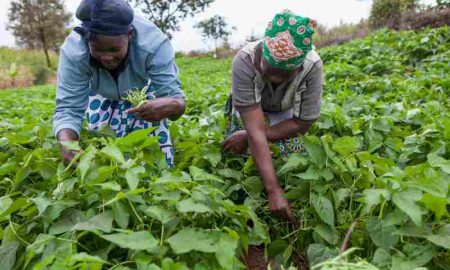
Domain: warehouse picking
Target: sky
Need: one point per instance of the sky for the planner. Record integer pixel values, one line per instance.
(245, 15)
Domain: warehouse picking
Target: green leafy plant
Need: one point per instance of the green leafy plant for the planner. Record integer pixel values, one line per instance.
(137, 97)
(375, 175)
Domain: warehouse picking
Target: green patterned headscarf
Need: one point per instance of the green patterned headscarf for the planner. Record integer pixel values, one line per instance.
(288, 39)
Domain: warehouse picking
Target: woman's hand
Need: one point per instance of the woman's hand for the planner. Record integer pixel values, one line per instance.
(280, 207)
(67, 135)
(160, 108)
(237, 143)
(255, 127)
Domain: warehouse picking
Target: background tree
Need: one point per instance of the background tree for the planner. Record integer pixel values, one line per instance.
(253, 37)
(167, 14)
(388, 13)
(38, 24)
(441, 4)
(215, 28)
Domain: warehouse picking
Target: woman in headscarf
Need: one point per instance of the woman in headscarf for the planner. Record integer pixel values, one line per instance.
(276, 96)
(112, 53)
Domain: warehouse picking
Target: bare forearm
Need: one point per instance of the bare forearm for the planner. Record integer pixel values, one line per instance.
(259, 146)
(287, 129)
(67, 135)
(263, 160)
(173, 108)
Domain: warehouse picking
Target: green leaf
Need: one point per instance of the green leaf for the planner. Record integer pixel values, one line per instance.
(329, 234)
(141, 240)
(72, 145)
(40, 243)
(21, 175)
(382, 235)
(121, 214)
(294, 163)
(164, 215)
(8, 255)
(86, 258)
(190, 205)
(66, 222)
(101, 222)
(318, 253)
(41, 203)
(254, 186)
(345, 145)
(313, 173)
(340, 196)
(226, 251)
(85, 162)
(315, 150)
(114, 152)
(232, 174)
(213, 158)
(134, 139)
(441, 238)
(407, 202)
(436, 204)
(382, 258)
(200, 175)
(189, 239)
(323, 208)
(18, 204)
(100, 175)
(5, 203)
(373, 197)
(420, 255)
(383, 124)
(439, 162)
(113, 185)
(277, 247)
(133, 178)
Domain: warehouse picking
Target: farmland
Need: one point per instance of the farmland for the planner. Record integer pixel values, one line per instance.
(377, 162)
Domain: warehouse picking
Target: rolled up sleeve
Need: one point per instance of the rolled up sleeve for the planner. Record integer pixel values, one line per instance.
(72, 94)
(163, 72)
(311, 97)
(243, 92)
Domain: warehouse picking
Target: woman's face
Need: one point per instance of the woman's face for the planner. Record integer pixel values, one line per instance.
(274, 74)
(109, 51)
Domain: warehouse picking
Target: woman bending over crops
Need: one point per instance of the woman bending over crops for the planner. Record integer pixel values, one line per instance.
(112, 53)
(276, 96)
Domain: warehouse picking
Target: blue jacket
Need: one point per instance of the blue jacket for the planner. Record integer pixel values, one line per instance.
(150, 56)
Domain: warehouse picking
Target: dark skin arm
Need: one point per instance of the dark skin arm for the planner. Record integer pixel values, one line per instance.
(66, 135)
(254, 124)
(160, 108)
(237, 143)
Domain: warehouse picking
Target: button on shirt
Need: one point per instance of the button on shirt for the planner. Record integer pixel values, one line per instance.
(150, 56)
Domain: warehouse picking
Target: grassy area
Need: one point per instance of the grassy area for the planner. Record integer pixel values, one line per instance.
(24, 67)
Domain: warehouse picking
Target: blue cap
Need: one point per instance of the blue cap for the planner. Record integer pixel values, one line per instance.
(107, 17)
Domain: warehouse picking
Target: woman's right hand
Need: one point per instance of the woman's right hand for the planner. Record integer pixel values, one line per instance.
(67, 135)
(280, 207)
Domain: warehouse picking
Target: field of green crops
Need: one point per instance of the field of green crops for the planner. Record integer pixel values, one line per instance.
(377, 159)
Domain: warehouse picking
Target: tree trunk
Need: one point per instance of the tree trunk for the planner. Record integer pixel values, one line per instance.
(217, 50)
(47, 57)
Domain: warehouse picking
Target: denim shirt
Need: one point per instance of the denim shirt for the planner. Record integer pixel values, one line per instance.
(150, 56)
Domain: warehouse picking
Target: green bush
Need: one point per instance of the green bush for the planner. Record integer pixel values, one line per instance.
(388, 13)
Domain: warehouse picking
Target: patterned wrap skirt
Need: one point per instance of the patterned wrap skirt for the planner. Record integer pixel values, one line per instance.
(103, 112)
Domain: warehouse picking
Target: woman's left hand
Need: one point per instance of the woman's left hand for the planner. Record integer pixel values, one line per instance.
(160, 108)
(237, 143)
